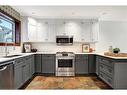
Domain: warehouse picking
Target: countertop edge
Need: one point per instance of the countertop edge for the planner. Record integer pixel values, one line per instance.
(27, 54)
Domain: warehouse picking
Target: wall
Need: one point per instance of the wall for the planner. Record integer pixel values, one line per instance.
(112, 33)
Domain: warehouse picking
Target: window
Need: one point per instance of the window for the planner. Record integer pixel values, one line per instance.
(7, 30)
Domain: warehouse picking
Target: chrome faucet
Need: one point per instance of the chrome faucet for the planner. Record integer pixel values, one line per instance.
(6, 47)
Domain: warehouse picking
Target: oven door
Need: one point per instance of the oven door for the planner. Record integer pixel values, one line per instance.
(65, 64)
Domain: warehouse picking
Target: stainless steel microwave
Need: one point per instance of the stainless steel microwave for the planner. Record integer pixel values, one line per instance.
(64, 40)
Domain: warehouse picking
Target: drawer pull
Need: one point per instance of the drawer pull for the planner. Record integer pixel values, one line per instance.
(109, 70)
(106, 61)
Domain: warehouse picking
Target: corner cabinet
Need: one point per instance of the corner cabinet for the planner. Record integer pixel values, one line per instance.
(112, 72)
(81, 64)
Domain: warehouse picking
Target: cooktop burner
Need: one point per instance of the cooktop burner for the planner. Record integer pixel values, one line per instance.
(65, 54)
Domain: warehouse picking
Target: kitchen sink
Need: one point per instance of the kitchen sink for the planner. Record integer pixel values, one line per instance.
(9, 56)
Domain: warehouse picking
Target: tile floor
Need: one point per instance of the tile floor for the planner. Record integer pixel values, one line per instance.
(88, 82)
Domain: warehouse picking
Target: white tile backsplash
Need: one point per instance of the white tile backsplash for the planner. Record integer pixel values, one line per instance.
(11, 49)
(52, 47)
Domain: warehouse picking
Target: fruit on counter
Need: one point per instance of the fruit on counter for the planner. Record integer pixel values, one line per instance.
(90, 50)
(116, 50)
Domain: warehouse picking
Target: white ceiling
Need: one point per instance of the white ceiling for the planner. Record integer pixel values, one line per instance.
(102, 12)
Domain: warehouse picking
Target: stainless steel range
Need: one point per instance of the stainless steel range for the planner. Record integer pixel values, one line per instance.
(65, 64)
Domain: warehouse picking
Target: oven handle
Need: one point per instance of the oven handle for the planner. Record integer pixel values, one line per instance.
(65, 58)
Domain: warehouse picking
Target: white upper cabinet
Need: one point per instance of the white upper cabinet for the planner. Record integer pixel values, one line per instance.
(95, 32)
(73, 28)
(60, 27)
(86, 32)
(32, 29)
(52, 32)
(42, 31)
(45, 30)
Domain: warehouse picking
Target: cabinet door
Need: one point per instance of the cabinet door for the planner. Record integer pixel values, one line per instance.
(92, 64)
(95, 32)
(97, 65)
(30, 61)
(32, 65)
(73, 28)
(32, 30)
(18, 76)
(86, 34)
(42, 31)
(81, 64)
(52, 33)
(26, 72)
(38, 63)
(60, 27)
(48, 63)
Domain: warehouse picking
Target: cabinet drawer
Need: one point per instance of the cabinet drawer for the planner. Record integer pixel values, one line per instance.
(27, 57)
(105, 78)
(81, 56)
(106, 61)
(19, 61)
(83, 61)
(48, 56)
(106, 69)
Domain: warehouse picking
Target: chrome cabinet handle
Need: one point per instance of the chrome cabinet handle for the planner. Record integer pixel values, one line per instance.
(3, 68)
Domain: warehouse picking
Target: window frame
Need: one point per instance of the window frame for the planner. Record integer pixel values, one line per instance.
(17, 29)
(13, 27)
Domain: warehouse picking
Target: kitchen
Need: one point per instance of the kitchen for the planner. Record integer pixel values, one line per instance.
(63, 47)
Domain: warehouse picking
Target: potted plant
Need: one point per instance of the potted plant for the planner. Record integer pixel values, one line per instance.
(116, 50)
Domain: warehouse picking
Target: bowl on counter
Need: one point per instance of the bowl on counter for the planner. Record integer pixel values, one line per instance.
(33, 50)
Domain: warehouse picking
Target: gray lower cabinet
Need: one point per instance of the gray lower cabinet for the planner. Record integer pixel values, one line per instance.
(97, 64)
(92, 63)
(30, 61)
(48, 63)
(32, 65)
(18, 73)
(81, 64)
(23, 70)
(38, 63)
(26, 72)
(112, 71)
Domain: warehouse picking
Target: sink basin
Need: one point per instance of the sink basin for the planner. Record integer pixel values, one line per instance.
(9, 56)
